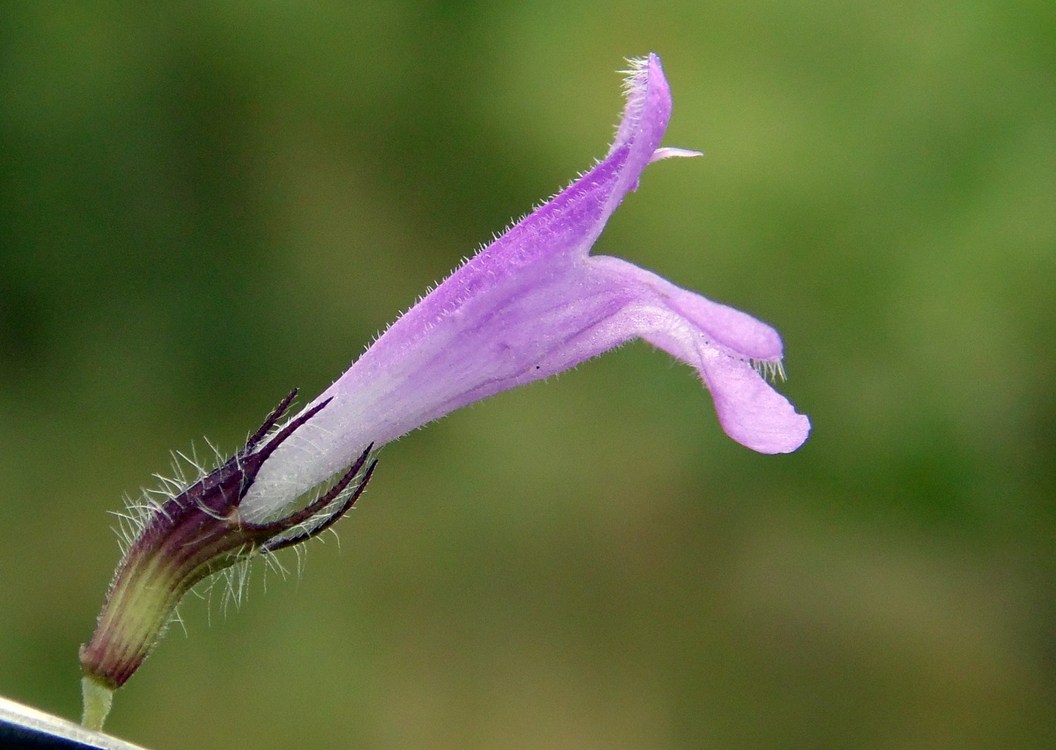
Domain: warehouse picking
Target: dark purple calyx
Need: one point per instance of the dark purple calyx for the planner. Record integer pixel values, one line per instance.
(197, 533)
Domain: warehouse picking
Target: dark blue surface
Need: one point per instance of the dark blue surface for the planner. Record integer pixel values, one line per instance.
(17, 736)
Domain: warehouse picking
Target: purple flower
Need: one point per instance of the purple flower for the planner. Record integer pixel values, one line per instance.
(530, 305)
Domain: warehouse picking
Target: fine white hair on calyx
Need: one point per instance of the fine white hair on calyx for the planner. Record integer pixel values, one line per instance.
(186, 469)
(233, 582)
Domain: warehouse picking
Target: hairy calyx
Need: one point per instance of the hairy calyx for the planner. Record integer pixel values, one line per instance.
(193, 534)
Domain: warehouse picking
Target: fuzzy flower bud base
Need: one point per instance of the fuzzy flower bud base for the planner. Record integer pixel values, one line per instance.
(192, 535)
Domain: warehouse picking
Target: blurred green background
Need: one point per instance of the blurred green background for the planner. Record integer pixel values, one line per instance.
(202, 208)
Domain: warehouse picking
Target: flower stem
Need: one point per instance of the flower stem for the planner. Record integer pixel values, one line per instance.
(96, 698)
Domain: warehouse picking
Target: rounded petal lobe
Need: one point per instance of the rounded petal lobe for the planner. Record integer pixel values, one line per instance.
(750, 410)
